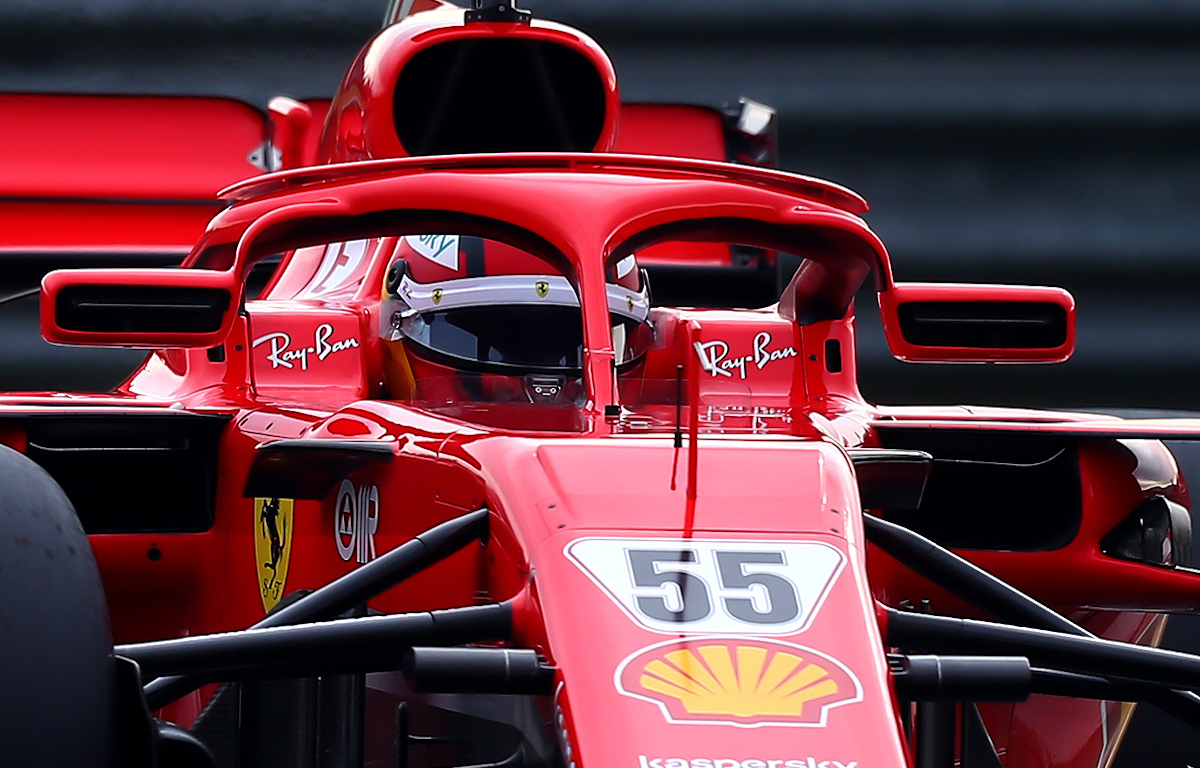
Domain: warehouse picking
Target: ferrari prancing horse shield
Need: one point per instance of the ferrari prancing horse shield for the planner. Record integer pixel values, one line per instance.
(272, 547)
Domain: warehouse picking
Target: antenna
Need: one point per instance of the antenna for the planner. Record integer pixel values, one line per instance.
(497, 11)
(679, 406)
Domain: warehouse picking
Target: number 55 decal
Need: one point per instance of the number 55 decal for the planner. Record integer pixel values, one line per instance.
(744, 587)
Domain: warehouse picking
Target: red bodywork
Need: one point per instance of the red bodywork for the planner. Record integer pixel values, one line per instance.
(756, 503)
(144, 182)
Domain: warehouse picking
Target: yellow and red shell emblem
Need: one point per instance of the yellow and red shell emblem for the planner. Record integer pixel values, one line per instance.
(738, 681)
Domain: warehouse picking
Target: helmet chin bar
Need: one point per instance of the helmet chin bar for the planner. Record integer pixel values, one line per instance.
(504, 290)
(541, 388)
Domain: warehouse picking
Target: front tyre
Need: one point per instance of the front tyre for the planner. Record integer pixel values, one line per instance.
(56, 664)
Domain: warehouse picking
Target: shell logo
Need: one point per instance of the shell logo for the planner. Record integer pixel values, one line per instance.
(738, 681)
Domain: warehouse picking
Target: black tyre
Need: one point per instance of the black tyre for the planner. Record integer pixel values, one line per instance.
(56, 665)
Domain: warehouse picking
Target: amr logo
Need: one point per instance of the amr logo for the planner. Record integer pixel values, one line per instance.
(355, 521)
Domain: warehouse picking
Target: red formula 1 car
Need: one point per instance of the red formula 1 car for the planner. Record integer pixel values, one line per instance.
(451, 490)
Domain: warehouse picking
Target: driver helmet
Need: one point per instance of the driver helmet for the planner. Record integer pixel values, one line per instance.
(469, 318)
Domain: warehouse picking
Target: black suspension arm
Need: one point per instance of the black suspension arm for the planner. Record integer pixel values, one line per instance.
(367, 644)
(355, 588)
(924, 678)
(1085, 655)
(1056, 682)
(383, 573)
(998, 598)
(965, 579)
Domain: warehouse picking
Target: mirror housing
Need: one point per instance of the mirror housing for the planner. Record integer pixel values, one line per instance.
(139, 307)
(965, 323)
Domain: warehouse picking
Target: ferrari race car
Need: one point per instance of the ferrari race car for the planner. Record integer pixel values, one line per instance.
(418, 474)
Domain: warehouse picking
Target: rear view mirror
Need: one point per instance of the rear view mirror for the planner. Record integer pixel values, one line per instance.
(139, 307)
(1157, 532)
(949, 322)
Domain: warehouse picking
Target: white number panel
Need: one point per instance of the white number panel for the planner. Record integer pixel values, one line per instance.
(728, 587)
